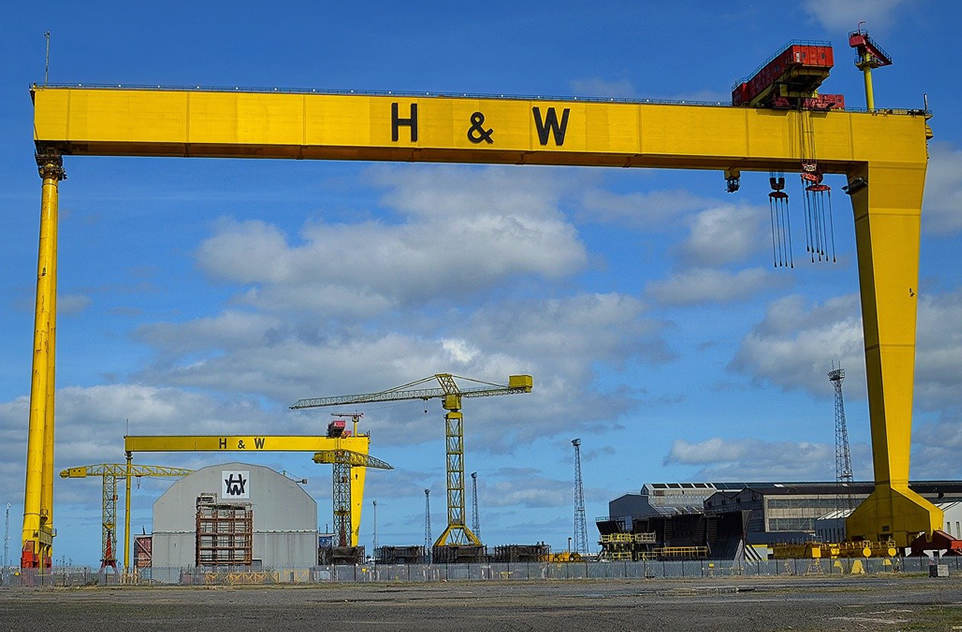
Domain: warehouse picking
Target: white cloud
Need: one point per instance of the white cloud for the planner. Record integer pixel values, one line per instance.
(654, 210)
(725, 234)
(501, 489)
(92, 421)
(227, 330)
(936, 446)
(462, 231)
(795, 343)
(942, 208)
(561, 342)
(835, 15)
(706, 285)
(755, 460)
(938, 363)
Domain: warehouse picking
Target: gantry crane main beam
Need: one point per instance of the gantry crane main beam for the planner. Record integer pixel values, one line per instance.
(328, 447)
(450, 393)
(882, 153)
(111, 473)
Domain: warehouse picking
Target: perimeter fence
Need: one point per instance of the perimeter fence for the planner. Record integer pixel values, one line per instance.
(531, 571)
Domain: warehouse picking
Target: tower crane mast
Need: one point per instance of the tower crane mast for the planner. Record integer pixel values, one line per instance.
(451, 394)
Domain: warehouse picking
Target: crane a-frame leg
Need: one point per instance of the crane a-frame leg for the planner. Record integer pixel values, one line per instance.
(887, 202)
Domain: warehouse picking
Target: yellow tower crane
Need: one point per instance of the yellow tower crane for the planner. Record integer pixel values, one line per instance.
(457, 532)
(111, 472)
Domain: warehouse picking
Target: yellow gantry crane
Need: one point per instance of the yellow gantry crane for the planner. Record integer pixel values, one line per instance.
(882, 154)
(111, 473)
(457, 532)
(343, 450)
(343, 462)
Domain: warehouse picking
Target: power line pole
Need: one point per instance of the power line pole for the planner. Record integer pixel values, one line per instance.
(428, 542)
(581, 526)
(475, 518)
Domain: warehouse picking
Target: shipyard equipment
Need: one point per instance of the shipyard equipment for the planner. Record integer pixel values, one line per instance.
(457, 532)
(868, 55)
(344, 462)
(111, 473)
(348, 450)
(881, 153)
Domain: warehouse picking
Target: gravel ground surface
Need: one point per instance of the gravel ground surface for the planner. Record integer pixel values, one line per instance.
(797, 603)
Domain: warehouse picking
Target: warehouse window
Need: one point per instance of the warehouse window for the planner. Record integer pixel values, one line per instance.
(792, 524)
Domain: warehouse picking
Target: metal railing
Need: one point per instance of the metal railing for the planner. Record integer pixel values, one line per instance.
(451, 95)
(427, 573)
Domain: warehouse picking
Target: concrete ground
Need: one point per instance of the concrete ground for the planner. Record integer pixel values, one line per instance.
(746, 605)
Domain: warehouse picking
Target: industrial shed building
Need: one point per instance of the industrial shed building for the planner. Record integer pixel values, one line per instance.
(233, 515)
(726, 518)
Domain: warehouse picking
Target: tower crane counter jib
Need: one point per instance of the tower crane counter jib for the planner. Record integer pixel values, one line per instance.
(450, 393)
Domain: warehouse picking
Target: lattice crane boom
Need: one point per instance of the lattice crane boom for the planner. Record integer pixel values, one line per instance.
(451, 394)
(353, 459)
(516, 384)
(111, 473)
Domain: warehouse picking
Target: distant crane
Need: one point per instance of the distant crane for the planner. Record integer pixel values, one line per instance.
(427, 524)
(581, 527)
(344, 461)
(456, 532)
(475, 517)
(843, 457)
(111, 473)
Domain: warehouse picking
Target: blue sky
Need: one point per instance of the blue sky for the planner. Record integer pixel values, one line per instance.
(204, 296)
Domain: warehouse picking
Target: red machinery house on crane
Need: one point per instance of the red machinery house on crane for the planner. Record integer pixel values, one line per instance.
(790, 79)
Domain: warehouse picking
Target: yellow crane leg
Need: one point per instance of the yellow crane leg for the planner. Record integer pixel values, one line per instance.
(128, 476)
(357, 502)
(37, 535)
(887, 225)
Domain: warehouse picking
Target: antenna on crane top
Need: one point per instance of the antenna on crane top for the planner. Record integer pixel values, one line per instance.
(46, 61)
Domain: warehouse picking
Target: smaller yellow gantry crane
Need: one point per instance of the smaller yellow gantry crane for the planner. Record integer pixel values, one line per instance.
(344, 462)
(457, 532)
(111, 472)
